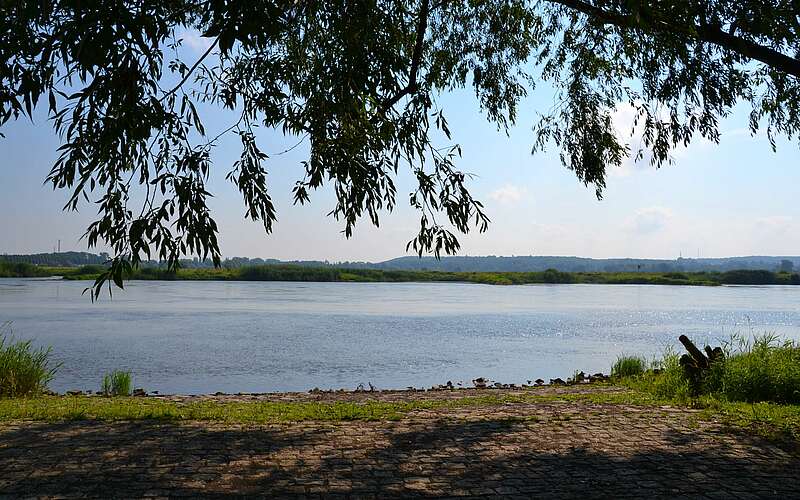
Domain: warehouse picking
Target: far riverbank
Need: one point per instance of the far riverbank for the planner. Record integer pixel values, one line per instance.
(336, 274)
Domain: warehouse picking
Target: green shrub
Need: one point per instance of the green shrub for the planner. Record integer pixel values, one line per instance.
(21, 270)
(556, 276)
(763, 370)
(749, 277)
(628, 366)
(117, 383)
(24, 371)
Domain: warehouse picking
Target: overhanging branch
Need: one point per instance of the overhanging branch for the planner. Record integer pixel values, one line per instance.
(416, 59)
(705, 32)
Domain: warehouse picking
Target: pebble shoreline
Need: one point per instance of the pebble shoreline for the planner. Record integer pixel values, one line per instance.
(479, 383)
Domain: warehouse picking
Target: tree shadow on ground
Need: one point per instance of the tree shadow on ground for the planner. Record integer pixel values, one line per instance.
(424, 458)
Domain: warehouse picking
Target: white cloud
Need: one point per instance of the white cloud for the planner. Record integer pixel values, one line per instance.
(649, 220)
(775, 221)
(508, 194)
(623, 119)
(738, 132)
(774, 226)
(195, 41)
(628, 131)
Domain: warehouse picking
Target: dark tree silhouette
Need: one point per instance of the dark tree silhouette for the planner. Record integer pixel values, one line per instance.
(358, 80)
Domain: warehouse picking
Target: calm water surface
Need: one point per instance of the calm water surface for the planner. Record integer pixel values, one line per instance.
(199, 337)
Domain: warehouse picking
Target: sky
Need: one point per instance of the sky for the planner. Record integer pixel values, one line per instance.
(734, 198)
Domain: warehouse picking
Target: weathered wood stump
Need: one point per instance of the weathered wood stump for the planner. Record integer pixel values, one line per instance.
(695, 364)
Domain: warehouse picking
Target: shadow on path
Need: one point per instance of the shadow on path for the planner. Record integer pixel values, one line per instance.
(589, 458)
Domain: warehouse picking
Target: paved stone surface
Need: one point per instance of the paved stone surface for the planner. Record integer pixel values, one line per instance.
(520, 450)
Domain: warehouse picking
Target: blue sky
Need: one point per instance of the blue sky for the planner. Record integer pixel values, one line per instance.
(735, 198)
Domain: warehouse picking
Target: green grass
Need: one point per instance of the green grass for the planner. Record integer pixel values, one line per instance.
(762, 370)
(670, 384)
(773, 421)
(59, 408)
(765, 369)
(755, 388)
(628, 366)
(117, 383)
(24, 370)
(95, 408)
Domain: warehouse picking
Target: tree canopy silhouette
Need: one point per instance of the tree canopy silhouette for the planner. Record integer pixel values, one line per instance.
(358, 80)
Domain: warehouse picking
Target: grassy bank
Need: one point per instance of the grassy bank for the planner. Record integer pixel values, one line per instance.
(756, 385)
(334, 274)
(60, 408)
(765, 369)
(772, 421)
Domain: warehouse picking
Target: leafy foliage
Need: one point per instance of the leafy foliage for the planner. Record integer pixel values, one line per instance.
(358, 81)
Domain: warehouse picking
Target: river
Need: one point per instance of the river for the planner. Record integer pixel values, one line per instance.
(202, 337)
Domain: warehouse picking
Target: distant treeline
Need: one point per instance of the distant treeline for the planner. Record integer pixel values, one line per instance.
(284, 272)
(60, 259)
(459, 264)
(584, 265)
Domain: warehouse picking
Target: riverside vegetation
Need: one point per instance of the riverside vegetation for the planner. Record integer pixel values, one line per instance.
(117, 383)
(755, 387)
(24, 370)
(336, 274)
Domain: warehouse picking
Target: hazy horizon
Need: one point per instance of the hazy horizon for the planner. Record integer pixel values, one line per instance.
(335, 261)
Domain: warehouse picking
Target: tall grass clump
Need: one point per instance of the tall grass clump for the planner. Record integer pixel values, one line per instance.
(668, 379)
(764, 369)
(24, 370)
(117, 383)
(628, 366)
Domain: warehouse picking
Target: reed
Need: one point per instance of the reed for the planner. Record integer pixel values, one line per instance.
(24, 370)
(628, 366)
(117, 383)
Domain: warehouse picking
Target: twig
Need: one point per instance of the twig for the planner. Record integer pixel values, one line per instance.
(191, 70)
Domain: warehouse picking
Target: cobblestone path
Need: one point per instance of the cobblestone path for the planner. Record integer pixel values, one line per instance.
(525, 450)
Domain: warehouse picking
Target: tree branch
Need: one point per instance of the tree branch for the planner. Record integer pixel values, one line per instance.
(191, 70)
(416, 58)
(704, 32)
